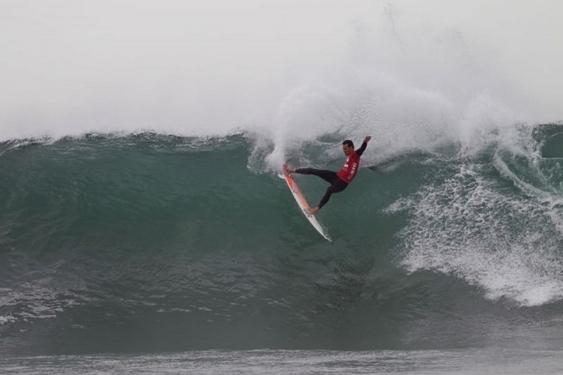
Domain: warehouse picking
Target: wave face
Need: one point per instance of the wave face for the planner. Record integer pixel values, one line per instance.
(151, 242)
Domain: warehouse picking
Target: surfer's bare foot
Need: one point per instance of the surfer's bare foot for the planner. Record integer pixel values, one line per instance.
(312, 210)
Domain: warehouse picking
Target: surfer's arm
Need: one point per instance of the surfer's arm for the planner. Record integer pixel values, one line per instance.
(362, 148)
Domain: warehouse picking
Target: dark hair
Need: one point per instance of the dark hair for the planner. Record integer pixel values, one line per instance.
(348, 143)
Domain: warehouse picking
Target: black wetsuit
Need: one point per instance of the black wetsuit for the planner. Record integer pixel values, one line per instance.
(336, 184)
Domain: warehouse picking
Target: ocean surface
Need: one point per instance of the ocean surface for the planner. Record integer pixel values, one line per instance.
(148, 253)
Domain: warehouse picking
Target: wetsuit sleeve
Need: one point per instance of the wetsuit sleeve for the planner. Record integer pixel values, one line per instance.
(362, 148)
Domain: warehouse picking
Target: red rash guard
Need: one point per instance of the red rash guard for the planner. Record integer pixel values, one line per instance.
(350, 168)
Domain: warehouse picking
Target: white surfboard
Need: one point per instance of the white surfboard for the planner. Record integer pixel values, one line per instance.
(302, 202)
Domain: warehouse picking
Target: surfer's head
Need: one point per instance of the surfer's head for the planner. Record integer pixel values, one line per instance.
(347, 147)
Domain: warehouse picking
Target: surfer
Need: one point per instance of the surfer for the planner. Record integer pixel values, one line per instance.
(338, 180)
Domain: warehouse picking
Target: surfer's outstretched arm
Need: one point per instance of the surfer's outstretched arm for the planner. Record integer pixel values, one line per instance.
(362, 148)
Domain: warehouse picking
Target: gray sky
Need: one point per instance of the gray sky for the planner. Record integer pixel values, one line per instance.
(68, 66)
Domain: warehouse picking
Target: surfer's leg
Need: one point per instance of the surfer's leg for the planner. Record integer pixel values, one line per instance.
(326, 197)
(335, 188)
(326, 175)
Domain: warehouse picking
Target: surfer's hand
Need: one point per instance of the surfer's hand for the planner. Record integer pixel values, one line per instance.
(367, 139)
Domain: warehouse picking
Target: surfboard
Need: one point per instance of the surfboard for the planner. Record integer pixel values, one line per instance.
(302, 202)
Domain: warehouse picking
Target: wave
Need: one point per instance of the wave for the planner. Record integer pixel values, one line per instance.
(175, 225)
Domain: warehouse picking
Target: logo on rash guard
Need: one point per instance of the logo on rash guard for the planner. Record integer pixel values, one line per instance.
(353, 171)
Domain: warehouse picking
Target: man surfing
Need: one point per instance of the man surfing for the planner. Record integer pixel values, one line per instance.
(338, 180)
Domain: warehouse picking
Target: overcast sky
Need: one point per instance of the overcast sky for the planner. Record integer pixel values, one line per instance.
(72, 65)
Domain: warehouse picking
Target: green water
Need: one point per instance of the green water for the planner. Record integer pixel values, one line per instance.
(155, 243)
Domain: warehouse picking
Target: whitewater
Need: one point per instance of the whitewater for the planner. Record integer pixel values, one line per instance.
(142, 220)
